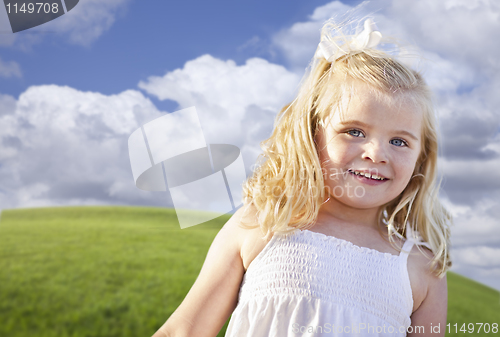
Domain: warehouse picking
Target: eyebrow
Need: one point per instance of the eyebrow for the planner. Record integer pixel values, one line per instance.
(353, 121)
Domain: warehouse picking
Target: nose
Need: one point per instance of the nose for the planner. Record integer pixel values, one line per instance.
(375, 152)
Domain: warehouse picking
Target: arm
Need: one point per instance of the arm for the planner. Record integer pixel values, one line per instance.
(431, 314)
(214, 294)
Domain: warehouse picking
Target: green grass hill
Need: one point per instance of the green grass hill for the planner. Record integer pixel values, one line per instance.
(121, 271)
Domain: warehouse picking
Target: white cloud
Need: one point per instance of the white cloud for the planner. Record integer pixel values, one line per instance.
(88, 20)
(485, 275)
(475, 226)
(481, 256)
(481, 263)
(225, 84)
(325, 12)
(7, 104)
(228, 97)
(459, 29)
(475, 238)
(480, 174)
(62, 146)
(299, 41)
(9, 69)
(443, 75)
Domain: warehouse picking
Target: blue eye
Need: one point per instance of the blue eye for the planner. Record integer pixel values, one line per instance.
(355, 133)
(398, 142)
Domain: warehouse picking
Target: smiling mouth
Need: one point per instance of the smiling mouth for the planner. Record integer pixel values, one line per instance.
(367, 175)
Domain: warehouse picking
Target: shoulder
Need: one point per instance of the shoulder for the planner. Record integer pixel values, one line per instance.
(430, 292)
(244, 228)
(422, 279)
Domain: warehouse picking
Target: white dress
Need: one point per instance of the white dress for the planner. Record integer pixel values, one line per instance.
(309, 284)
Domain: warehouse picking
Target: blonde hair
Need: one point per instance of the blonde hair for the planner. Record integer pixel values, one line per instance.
(288, 187)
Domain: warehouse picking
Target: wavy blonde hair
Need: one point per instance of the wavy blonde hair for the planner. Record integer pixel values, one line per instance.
(288, 186)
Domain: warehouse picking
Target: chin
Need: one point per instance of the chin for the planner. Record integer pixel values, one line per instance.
(371, 200)
(363, 203)
(357, 196)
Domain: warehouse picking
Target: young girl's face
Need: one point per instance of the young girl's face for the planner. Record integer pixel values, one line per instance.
(369, 150)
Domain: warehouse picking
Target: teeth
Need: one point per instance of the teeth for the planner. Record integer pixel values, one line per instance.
(367, 175)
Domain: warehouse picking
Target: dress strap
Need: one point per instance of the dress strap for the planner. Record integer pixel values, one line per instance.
(406, 249)
(403, 263)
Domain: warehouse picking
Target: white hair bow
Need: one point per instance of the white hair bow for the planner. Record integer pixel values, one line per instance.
(368, 38)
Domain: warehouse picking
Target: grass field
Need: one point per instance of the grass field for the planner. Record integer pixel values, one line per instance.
(121, 271)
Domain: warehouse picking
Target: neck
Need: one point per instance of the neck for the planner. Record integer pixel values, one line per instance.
(335, 212)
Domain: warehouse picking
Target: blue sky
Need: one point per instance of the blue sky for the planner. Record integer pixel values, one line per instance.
(74, 89)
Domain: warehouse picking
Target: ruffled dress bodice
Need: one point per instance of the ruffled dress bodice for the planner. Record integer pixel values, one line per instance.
(309, 284)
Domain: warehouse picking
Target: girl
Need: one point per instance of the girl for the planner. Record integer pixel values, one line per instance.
(329, 240)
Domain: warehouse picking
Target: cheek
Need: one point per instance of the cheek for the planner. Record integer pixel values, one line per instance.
(406, 167)
(340, 152)
(332, 146)
(338, 158)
